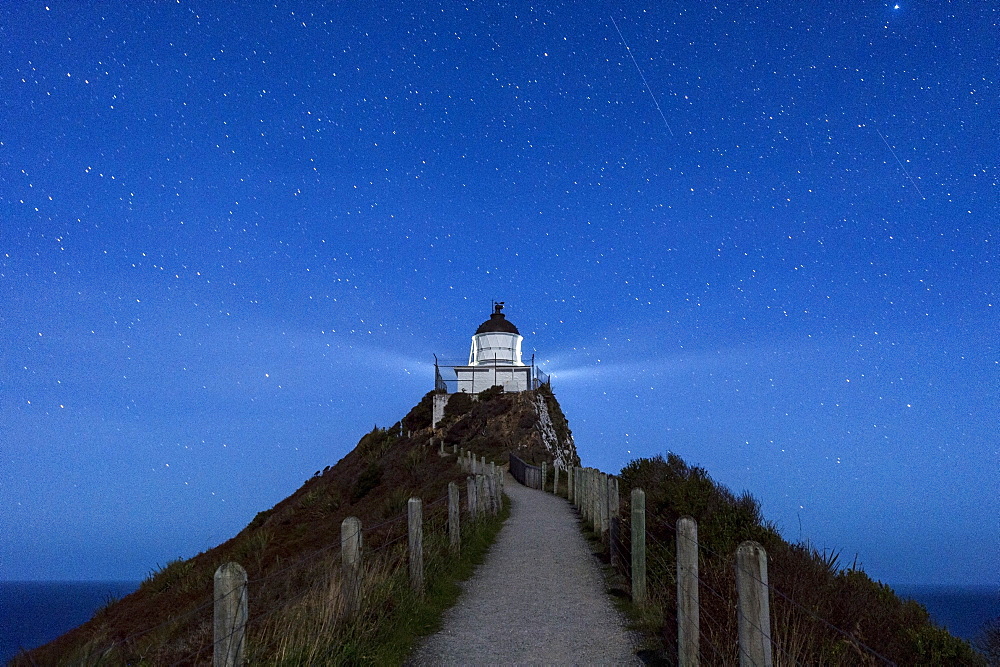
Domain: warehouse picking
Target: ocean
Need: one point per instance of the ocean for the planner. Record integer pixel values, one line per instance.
(962, 610)
(35, 612)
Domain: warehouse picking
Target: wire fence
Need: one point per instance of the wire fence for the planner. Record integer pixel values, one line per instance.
(786, 631)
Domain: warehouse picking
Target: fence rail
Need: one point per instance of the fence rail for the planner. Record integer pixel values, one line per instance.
(525, 473)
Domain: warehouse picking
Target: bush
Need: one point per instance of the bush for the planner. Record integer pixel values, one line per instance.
(988, 642)
(491, 393)
(368, 480)
(420, 416)
(458, 405)
(376, 443)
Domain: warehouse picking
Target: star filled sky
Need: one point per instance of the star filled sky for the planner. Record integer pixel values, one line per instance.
(760, 235)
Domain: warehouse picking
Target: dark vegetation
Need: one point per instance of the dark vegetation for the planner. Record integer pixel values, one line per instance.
(291, 556)
(821, 588)
(988, 642)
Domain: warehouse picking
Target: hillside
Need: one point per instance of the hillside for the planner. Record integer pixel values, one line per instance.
(289, 550)
(822, 611)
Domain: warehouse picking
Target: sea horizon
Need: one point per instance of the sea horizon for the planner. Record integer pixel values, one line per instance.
(962, 610)
(33, 612)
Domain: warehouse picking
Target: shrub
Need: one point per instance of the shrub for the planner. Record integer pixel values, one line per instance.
(458, 405)
(375, 444)
(988, 642)
(420, 415)
(491, 393)
(368, 480)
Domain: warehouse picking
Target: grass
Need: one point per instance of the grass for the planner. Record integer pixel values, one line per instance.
(393, 617)
(420, 615)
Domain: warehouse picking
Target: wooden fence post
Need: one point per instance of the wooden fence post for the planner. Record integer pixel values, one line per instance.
(491, 492)
(491, 484)
(544, 476)
(614, 525)
(605, 490)
(614, 541)
(569, 485)
(753, 609)
(481, 494)
(602, 503)
(687, 592)
(555, 479)
(350, 557)
(614, 502)
(638, 546)
(500, 483)
(578, 491)
(415, 525)
(473, 502)
(454, 527)
(230, 615)
(595, 480)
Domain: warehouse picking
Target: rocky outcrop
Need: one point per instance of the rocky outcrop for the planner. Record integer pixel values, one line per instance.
(529, 424)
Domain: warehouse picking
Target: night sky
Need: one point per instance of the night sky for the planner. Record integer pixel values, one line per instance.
(763, 237)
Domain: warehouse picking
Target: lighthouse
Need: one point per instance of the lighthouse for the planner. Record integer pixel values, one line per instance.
(494, 360)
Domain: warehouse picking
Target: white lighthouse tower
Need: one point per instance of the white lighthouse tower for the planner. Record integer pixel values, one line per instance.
(494, 357)
(494, 360)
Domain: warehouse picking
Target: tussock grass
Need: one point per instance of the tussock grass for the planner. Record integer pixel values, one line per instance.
(315, 630)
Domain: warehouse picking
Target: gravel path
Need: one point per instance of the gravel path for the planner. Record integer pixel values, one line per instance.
(537, 599)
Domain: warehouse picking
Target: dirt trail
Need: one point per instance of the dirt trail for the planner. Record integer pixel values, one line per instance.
(537, 599)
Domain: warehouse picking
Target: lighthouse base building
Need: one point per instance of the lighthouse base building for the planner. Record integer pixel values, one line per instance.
(494, 360)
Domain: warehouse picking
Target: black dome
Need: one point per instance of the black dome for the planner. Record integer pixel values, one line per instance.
(497, 322)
